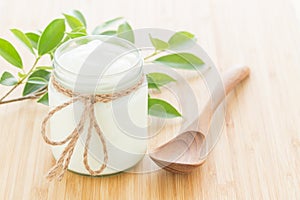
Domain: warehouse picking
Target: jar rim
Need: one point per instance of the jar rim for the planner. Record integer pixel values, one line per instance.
(139, 61)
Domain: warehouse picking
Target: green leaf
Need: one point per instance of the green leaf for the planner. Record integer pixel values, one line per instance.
(8, 79)
(109, 32)
(44, 99)
(80, 30)
(101, 28)
(181, 61)
(21, 75)
(37, 81)
(158, 44)
(10, 54)
(73, 22)
(181, 40)
(160, 79)
(23, 38)
(112, 21)
(45, 67)
(80, 16)
(33, 38)
(161, 108)
(75, 34)
(51, 55)
(36, 75)
(125, 32)
(51, 36)
(152, 84)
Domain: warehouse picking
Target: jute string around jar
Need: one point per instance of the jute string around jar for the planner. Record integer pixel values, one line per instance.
(88, 114)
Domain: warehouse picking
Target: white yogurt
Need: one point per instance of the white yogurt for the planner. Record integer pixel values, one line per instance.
(123, 121)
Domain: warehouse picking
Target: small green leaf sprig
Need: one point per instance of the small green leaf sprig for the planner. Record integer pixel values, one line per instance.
(40, 44)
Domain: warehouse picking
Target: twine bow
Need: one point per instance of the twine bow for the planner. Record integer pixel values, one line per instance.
(88, 114)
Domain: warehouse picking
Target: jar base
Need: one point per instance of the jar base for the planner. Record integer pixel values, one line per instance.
(108, 174)
(97, 176)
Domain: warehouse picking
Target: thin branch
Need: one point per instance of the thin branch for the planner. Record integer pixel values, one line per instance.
(21, 81)
(35, 95)
(152, 55)
(19, 99)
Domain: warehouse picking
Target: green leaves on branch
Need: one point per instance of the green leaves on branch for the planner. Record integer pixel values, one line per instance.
(36, 81)
(51, 36)
(181, 61)
(10, 54)
(37, 78)
(8, 79)
(161, 108)
(178, 41)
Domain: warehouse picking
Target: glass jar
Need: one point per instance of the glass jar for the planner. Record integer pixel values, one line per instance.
(101, 65)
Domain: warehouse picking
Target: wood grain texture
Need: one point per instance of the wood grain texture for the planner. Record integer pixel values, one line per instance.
(258, 154)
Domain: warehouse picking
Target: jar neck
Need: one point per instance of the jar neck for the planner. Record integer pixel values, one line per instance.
(99, 70)
(100, 84)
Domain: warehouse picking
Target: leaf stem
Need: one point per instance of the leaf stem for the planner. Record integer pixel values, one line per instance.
(21, 81)
(152, 55)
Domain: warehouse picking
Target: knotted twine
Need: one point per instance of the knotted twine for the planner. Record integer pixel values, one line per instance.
(88, 114)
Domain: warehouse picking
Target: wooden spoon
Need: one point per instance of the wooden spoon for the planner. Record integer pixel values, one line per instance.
(182, 153)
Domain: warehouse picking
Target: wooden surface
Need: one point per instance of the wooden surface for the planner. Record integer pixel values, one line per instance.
(258, 155)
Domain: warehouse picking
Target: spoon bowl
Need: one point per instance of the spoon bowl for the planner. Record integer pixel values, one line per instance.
(182, 153)
(178, 154)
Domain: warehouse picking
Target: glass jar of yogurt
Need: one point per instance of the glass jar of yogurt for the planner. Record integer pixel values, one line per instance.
(101, 65)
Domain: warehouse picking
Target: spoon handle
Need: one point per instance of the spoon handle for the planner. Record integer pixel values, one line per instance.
(230, 80)
(233, 77)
